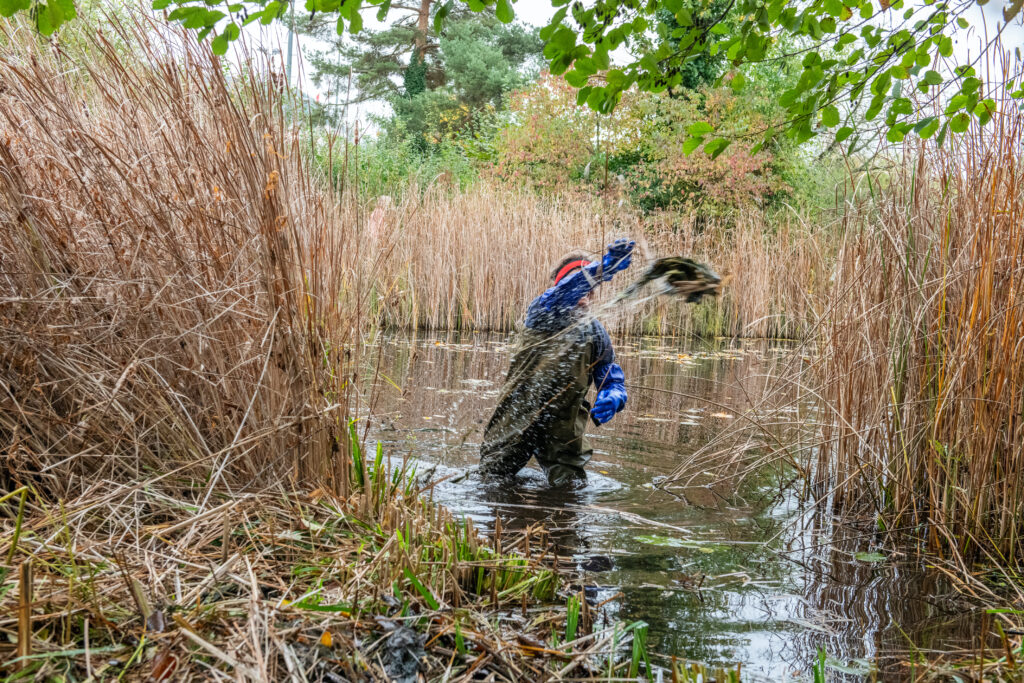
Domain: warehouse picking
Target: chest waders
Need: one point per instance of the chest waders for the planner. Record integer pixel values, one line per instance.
(542, 411)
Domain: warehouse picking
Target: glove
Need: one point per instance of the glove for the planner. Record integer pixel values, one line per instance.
(609, 401)
(619, 256)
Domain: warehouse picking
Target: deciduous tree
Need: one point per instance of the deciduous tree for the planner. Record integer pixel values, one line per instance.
(873, 53)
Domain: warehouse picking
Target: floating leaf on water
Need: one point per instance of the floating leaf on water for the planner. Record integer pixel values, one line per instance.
(669, 542)
(857, 667)
(869, 557)
(661, 540)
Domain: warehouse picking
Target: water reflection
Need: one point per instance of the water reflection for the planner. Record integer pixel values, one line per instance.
(726, 569)
(528, 501)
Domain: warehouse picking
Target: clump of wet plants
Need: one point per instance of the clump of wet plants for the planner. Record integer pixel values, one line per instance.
(677, 276)
(379, 585)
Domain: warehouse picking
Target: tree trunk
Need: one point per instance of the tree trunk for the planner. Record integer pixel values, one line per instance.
(422, 27)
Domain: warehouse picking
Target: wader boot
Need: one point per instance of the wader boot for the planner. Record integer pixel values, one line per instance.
(541, 412)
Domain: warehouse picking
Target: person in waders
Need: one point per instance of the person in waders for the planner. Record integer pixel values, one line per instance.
(542, 411)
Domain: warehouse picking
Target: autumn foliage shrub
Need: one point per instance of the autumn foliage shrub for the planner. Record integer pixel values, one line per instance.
(647, 148)
(552, 144)
(548, 139)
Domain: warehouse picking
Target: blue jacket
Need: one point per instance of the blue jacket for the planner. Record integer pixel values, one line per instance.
(556, 309)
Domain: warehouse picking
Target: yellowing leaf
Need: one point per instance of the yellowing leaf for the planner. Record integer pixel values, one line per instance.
(326, 639)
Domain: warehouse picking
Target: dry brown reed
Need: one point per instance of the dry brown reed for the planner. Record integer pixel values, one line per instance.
(473, 259)
(267, 587)
(180, 311)
(176, 295)
(181, 494)
(923, 360)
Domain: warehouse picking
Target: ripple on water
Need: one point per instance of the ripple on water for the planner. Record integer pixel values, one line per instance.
(774, 586)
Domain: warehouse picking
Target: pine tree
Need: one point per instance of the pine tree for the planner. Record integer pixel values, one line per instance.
(407, 57)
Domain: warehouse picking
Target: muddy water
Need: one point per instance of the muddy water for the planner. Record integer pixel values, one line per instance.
(728, 569)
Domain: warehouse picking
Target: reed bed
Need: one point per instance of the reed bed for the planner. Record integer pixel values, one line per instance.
(177, 293)
(382, 585)
(182, 494)
(306, 586)
(473, 259)
(922, 361)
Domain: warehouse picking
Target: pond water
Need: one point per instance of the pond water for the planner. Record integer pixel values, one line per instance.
(729, 569)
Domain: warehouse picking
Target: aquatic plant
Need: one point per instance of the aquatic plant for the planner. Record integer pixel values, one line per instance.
(639, 650)
(922, 366)
(818, 668)
(695, 672)
(454, 259)
(177, 303)
(572, 617)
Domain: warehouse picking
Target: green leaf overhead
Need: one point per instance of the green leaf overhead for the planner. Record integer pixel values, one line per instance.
(700, 128)
(9, 7)
(856, 51)
(859, 56)
(504, 11)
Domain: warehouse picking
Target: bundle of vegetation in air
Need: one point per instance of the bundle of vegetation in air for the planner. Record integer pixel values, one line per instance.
(677, 276)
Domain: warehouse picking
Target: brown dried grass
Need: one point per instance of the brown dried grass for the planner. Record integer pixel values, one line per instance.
(923, 360)
(473, 259)
(176, 289)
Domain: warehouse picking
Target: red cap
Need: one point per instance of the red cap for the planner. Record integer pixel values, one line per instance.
(569, 267)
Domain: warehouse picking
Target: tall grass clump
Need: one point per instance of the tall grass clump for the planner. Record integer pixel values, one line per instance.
(177, 294)
(923, 357)
(182, 494)
(473, 259)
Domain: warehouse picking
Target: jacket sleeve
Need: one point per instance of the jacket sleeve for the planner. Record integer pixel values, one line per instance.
(608, 378)
(606, 373)
(550, 311)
